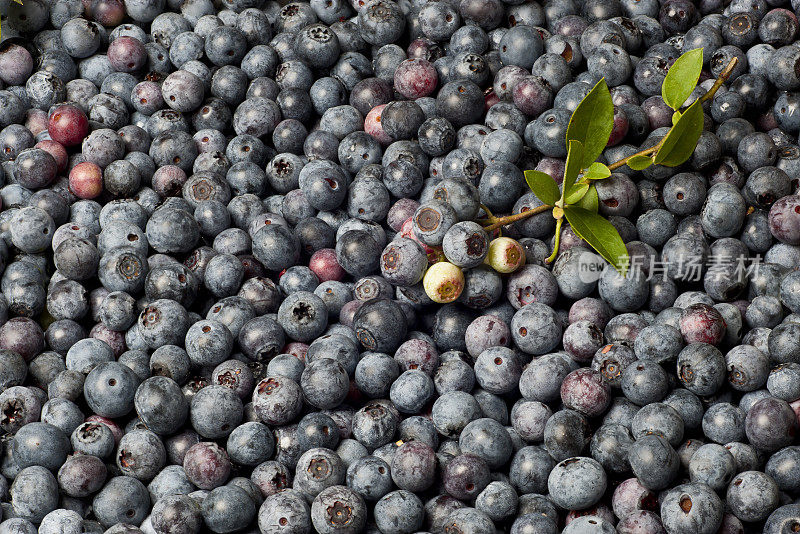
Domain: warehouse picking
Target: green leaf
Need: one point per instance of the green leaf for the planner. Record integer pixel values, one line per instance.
(676, 117)
(639, 163)
(682, 78)
(596, 171)
(590, 201)
(681, 140)
(577, 193)
(592, 122)
(600, 234)
(573, 167)
(543, 186)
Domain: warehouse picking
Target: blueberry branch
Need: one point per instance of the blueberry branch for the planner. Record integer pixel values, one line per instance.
(647, 152)
(508, 219)
(722, 78)
(557, 241)
(490, 218)
(493, 223)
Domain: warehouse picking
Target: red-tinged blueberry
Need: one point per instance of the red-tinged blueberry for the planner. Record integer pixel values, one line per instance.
(373, 126)
(23, 336)
(630, 496)
(323, 263)
(784, 220)
(491, 99)
(795, 406)
(422, 48)
(348, 312)
(599, 510)
(701, 323)
(115, 340)
(207, 465)
(57, 150)
(585, 391)
(86, 180)
(620, 129)
(296, 349)
(16, 64)
(168, 181)
(532, 95)
(415, 78)
(126, 54)
(400, 212)
(68, 125)
(554, 167)
(434, 254)
(36, 121)
(109, 13)
(116, 431)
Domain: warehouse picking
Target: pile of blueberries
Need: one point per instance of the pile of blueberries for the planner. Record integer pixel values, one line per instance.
(247, 287)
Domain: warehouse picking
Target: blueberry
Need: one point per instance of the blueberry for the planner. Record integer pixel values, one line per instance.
(692, 507)
(644, 383)
(40, 444)
(399, 511)
(369, 477)
(752, 496)
(459, 102)
(160, 404)
(339, 509)
(34, 493)
(227, 507)
(109, 389)
(541, 379)
(318, 469)
(768, 424)
(411, 466)
(783, 516)
(141, 454)
(654, 462)
(487, 439)
(287, 510)
(465, 476)
(324, 383)
(303, 316)
(317, 430)
(181, 508)
(208, 343)
(701, 368)
(122, 499)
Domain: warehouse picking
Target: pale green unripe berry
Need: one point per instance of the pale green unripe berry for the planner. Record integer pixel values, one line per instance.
(443, 282)
(505, 255)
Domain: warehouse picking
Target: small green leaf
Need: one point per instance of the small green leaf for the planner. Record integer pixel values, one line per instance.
(543, 186)
(596, 171)
(682, 78)
(681, 140)
(573, 167)
(676, 117)
(591, 122)
(600, 234)
(577, 193)
(590, 201)
(639, 163)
